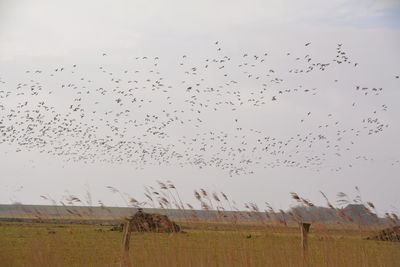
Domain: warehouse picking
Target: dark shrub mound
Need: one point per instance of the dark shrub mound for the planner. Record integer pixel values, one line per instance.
(150, 222)
(388, 234)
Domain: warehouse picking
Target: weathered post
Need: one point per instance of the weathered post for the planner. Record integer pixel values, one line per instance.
(304, 228)
(125, 260)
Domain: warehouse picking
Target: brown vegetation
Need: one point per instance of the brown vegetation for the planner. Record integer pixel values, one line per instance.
(221, 234)
(388, 234)
(151, 222)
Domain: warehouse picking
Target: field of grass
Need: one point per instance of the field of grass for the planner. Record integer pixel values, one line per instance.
(202, 244)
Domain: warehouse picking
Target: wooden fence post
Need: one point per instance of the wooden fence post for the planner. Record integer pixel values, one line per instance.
(304, 228)
(125, 260)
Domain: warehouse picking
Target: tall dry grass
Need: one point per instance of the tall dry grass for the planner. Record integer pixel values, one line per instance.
(224, 235)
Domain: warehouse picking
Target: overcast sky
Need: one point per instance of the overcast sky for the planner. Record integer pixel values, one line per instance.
(44, 35)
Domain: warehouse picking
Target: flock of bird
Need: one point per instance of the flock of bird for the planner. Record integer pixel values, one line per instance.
(199, 114)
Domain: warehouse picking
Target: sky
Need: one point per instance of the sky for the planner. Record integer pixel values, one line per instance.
(117, 35)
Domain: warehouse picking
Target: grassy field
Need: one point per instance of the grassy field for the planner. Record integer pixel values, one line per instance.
(203, 244)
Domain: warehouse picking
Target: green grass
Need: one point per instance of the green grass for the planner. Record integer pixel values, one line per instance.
(204, 244)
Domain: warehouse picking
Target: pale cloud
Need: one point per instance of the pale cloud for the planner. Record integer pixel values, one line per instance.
(51, 28)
